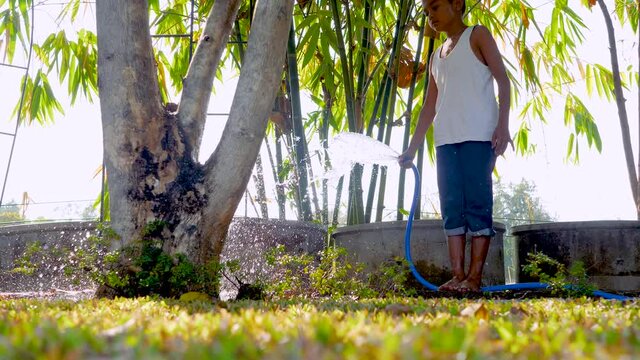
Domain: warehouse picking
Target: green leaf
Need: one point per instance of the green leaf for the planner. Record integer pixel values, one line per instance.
(570, 145)
(312, 45)
(154, 5)
(589, 79)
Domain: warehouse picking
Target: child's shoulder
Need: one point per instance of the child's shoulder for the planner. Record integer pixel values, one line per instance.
(480, 30)
(480, 34)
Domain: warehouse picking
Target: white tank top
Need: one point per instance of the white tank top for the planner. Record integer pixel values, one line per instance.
(466, 107)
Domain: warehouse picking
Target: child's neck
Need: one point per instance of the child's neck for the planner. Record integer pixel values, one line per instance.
(455, 29)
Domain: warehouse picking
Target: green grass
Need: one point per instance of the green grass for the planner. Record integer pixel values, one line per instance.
(374, 329)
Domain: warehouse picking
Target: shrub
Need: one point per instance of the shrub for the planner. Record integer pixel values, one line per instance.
(573, 282)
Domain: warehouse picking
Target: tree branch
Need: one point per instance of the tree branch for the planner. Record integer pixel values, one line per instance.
(192, 111)
(242, 137)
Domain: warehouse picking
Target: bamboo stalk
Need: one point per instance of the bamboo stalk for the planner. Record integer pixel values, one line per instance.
(324, 138)
(405, 9)
(279, 192)
(299, 143)
(260, 188)
(336, 206)
(354, 208)
(407, 125)
(420, 157)
(385, 102)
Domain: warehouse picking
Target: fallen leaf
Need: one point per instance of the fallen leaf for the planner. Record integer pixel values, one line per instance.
(477, 310)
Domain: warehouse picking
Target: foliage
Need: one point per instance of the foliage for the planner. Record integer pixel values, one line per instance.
(10, 213)
(391, 279)
(573, 282)
(332, 274)
(143, 268)
(394, 328)
(518, 204)
(26, 263)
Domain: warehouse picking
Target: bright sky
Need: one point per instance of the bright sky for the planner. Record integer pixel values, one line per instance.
(56, 164)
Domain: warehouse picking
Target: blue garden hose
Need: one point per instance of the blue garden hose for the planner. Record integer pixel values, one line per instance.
(430, 286)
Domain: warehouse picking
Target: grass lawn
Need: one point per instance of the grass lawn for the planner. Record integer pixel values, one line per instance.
(402, 328)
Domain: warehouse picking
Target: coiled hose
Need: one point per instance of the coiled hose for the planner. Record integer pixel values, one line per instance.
(430, 286)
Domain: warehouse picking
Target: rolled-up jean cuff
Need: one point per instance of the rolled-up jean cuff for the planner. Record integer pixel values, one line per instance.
(457, 231)
(483, 232)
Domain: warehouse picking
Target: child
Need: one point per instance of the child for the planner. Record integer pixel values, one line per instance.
(470, 131)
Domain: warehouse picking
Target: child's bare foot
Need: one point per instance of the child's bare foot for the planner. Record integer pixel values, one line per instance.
(451, 285)
(468, 285)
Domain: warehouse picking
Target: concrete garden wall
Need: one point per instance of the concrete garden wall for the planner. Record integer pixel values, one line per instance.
(375, 243)
(51, 236)
(247, 242)
(610, 250)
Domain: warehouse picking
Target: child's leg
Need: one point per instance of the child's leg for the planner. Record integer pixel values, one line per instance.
(478, 163)
(451, 205)
(456, 245)
(479, 250)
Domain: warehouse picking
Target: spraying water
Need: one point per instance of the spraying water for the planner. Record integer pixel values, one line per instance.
(359, 148)
(349, 148)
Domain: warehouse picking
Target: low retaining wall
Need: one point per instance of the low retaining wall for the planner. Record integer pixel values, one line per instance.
(610, 250)
(373, 244)
(248, 240)
(14, 240)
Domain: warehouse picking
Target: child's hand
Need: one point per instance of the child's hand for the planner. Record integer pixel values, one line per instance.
(406, 159)
(501, 139)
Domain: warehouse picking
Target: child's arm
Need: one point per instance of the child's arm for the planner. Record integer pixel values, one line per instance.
(489, 50)
(425, 119)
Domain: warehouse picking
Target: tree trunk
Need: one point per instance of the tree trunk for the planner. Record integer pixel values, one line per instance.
(149, 151)
(135, 127)
(622, 109)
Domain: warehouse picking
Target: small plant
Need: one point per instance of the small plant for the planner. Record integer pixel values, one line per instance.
(390, 279)
(573, 282)
(79, 261)
(28, 263)
(331, 274)
(233, 272)
(336, 276)
(290, 275)
(143, 268)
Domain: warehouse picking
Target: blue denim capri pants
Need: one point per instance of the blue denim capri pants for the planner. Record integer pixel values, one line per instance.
(465, 187)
